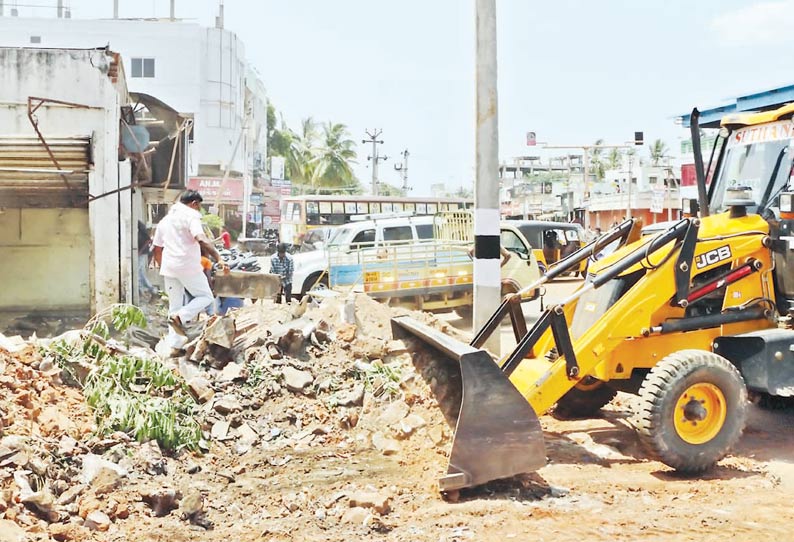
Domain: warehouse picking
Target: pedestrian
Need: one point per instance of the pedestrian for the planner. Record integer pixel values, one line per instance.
(225, 238)
(144, 257)
(177, 251)
(281, 264)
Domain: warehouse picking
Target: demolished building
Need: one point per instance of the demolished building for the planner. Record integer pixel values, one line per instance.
(76, 152)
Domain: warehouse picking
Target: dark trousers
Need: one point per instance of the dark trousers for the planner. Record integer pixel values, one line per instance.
(286, 289)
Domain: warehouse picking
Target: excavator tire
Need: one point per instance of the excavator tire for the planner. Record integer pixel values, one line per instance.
(584, 400)
(692, 411)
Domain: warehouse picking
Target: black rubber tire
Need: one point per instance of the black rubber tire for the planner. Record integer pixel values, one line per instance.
(583, 403)
(659, 394)
(312, 279)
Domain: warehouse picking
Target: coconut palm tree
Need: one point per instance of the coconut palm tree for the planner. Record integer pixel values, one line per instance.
(657, 150)
(614, 159)
(333, 158)
(596, 162)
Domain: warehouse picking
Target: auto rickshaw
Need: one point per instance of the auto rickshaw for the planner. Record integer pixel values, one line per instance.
(553, 241)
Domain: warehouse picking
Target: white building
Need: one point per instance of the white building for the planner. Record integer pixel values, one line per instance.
(200, 72)
(66, 212)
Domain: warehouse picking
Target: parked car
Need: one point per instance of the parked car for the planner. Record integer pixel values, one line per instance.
(311, 267)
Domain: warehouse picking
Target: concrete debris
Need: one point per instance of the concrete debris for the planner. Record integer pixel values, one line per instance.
(11, 532)
(227, 404)
(162, 501)
(191, 504)
(296, 380)
(385, 445)
(201, 389)
(356, 516)
(151, 459)
(93, 464)
(97, 521)
(393, 413)
(371, 499)
(106, 480)
(272, 383)
(350, 398)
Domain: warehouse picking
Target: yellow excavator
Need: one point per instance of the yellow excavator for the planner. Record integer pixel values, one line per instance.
(693, 319)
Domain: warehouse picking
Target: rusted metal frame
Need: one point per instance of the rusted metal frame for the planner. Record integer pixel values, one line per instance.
(35, 123)
(183, 127)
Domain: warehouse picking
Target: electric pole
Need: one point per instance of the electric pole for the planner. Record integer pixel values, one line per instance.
(402, 169)
(375, 157)
(487, 272)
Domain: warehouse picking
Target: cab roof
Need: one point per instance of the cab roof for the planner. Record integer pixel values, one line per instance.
(738, 120)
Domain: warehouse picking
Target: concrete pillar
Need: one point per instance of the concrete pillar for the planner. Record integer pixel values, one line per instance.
(487, 272)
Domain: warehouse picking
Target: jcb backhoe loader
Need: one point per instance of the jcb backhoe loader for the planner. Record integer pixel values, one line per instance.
(690, 318)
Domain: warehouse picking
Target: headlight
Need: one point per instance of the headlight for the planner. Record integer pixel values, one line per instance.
(787, 202)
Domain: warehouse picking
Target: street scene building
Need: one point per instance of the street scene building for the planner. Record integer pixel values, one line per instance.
(408, 271)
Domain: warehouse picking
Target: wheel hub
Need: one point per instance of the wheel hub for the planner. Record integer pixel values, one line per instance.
(700, 413)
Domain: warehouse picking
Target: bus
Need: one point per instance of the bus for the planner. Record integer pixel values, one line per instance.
(300, 214)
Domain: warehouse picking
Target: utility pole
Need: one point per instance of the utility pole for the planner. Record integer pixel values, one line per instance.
(628, 189)
(586, 159)
(373, 138)
(487, 273)
(402, 169)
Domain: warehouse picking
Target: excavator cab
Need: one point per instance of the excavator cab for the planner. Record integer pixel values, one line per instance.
(691, 318)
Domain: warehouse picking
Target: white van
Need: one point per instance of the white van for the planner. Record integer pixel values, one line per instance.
(310, 267)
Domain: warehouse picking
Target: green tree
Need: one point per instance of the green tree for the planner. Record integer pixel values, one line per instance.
(332, 160)
(657, 150)
(614, 159)
(596, 165)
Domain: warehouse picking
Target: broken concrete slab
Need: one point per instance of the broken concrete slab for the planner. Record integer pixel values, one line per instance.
(296, 380)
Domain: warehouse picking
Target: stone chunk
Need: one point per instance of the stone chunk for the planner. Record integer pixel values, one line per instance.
(371, 499)
(97, 521)
(384, 444)
(349, 398)
(161, 501)
(296, 380)
(201, 389)
(227, 404)
(393, 413)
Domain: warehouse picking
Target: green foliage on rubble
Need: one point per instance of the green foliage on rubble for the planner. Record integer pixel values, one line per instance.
(380, 378)
(143, 398)
(137, 395)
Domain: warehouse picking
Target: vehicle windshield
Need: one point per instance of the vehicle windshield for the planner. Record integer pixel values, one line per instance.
(339, 237)
(751, 161)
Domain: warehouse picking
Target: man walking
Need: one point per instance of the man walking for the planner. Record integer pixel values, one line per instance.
(281, 264)
(177, 251)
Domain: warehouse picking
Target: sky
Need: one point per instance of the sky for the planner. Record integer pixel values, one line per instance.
(572, 71)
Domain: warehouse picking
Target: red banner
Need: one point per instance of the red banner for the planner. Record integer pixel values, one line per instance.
(208, 187)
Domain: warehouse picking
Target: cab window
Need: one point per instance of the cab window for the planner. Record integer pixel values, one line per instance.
(513, 243)
(363, 239)
(399, 233)
(424, 231)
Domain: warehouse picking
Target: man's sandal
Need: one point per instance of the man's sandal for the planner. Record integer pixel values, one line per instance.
(176, 322)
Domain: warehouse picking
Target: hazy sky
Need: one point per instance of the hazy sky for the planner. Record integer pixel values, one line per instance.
(572, 71)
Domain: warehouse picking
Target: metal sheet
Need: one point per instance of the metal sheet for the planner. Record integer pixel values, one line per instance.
(28, 177)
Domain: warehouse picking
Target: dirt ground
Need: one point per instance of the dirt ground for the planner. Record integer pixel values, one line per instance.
(303, 475)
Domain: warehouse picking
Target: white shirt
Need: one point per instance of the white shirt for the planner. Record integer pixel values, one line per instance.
(176, 233)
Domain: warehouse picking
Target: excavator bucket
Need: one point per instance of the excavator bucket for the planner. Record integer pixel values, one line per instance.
(497, 433)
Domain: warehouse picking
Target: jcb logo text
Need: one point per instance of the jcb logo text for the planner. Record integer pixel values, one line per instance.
(713, 256)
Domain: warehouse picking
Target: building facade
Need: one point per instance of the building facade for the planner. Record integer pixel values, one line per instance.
(66, 211)
(199, 72)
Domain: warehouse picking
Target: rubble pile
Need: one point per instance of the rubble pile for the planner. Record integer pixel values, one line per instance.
(270, 385)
